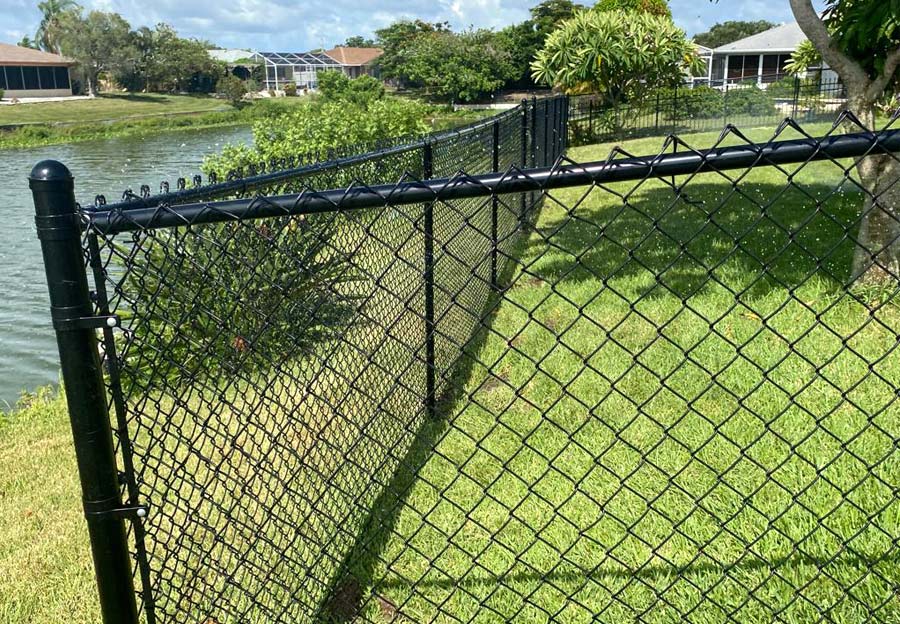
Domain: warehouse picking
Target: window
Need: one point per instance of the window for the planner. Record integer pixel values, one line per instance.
(62, 77)
(773, 66)
(30, 75)
(45, 75)
(3, 78)
(14, 78)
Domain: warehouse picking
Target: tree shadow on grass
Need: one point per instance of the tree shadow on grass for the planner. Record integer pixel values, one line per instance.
(765, 236)
(153, 98)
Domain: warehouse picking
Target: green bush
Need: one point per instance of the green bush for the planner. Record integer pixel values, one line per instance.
(290, 89)
(701, 102)
(784, 88)
(336, 86)
(319, 126)
(1, 93)
(236, 298)
(749, 100)
(232, 88)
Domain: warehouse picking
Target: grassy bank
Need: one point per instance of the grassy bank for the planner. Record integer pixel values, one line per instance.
(110, 116)
(46, 574)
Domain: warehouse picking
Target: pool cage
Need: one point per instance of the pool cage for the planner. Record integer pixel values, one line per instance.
(300, 68)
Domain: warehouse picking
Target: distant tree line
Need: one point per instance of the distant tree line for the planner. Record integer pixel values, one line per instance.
(103, 44)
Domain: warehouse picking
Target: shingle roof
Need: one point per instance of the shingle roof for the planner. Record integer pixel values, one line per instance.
(784, 38)
(354, 56)
(17, 55)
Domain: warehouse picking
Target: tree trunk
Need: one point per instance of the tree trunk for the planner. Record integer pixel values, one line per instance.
(876, 260)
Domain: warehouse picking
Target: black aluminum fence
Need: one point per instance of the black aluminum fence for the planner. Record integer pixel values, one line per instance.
(633, 389)
(707, 107)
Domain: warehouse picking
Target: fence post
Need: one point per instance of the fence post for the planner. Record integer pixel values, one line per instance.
(523, 162)
(428, 277)
(796, 97)
(675, 110)
(495, 167)
(656, 120)
(59, 231)
(591, 119)
(546, 132)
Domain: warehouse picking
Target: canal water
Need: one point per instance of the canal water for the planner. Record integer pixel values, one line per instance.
(28, 356)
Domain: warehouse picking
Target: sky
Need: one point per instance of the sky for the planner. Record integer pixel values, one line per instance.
(299, 25)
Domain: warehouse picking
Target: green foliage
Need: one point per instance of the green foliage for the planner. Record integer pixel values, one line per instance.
(395, 41)
(359, 42)
(233, 88)
(262, 292)
(701, 102)
(99, 42)
(522, 41)
(786, 87)
(28, 42)
(803, 57)
(455, 66)
(290, 89)
(618, 55)
(338, 87)
(49, 30)
(165, 62)
(653, 7)
(749, 100)
(322, 125)
(726, 32)
(866, 30)
(2, 92)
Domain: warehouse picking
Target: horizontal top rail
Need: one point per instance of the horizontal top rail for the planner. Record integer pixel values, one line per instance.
(248, 183)
(113, 219)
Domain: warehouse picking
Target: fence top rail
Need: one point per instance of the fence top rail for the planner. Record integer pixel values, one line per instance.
(515, 180)
(249, 183)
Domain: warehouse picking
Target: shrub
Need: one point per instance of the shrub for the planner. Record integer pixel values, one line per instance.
(336, 86)
(233, 88)
(246, 298)
(320, 126)
(784, 88)
(749, 100)
(1, 93)
(701, 102)
(290, 89)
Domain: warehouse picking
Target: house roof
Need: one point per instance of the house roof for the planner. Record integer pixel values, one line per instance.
(354, 56)
(17, 55)
(784, 38)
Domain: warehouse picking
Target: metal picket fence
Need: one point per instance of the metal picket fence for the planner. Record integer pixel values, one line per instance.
(476, 381)
(708, 106)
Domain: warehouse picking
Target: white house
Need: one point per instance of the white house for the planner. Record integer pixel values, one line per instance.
(759, 58)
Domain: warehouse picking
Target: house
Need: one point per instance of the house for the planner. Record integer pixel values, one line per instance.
(759, 58)
(28, 73)
(302, 68)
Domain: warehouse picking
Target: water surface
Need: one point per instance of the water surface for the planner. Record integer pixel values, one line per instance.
(28, 356)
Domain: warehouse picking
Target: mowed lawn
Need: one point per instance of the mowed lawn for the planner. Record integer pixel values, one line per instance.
(660, 429)
(110, 107)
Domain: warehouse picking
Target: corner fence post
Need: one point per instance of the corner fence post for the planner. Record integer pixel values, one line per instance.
(59, 231)
(428, 277)
(495, 168)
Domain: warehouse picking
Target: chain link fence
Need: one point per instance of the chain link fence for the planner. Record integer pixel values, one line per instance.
(478, 382)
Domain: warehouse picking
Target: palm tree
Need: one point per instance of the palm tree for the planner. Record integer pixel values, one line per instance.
(47, 34)
(28, 42)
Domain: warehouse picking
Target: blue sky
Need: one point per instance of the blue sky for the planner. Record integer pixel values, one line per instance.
(296, 25)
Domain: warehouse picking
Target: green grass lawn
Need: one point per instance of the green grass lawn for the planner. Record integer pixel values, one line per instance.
(46, 573)
(110, 107)
(654, 431)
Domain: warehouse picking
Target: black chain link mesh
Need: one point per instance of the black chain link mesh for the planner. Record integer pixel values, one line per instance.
(658, 400)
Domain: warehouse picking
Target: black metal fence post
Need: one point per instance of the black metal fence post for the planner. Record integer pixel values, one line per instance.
(796, 97)
(591, 119)
(656, 118)
(428, 277)
(523, 162)
(59, 231)
(495, 167)
(546, 116)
